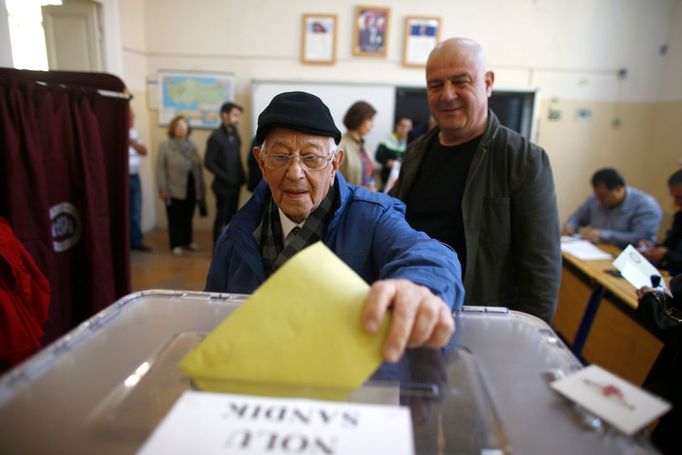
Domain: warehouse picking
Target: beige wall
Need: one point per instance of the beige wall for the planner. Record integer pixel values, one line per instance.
(134, 44)
(577, 147)
(666, 138)
(665, 152)
(569, 51)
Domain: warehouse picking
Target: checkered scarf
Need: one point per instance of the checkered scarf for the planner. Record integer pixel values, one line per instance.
(269, 232)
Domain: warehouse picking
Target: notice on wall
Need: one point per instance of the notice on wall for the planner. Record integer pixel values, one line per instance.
(213, 423)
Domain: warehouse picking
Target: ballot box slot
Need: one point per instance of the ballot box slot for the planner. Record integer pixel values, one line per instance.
(484, 309)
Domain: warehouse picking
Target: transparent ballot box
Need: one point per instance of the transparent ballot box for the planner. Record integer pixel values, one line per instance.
(105, 386)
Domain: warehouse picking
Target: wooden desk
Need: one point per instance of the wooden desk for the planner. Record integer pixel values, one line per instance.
(595, 314)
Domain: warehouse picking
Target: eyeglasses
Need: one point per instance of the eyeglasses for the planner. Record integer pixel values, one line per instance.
(310, 162)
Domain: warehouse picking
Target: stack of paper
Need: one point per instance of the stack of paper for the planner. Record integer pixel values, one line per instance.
(584, 250)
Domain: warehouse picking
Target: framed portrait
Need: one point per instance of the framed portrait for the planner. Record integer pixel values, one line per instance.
(370, 31)
(421, 36)
(318, 39)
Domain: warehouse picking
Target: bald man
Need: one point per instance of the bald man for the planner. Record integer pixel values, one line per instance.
(483, 189)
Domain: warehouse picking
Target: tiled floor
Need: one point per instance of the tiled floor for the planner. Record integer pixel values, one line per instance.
(159, 269)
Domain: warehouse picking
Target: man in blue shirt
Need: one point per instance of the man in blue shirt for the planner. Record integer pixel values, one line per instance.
(303, 199)
(615, 213)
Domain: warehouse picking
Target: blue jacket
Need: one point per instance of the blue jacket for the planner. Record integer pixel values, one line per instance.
(368, 232)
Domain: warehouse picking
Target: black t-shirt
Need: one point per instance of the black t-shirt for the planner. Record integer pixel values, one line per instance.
(434, 204)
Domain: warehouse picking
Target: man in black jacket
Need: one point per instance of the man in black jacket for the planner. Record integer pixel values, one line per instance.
(483, 189)
(668, 255)
(223, 159)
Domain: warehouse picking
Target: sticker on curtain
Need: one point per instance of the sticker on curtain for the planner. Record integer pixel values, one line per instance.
(66, 226)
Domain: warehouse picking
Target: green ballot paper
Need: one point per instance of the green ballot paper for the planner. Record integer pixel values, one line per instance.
(302, 327)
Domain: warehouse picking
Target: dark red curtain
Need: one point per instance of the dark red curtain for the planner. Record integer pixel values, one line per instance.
(64, 186)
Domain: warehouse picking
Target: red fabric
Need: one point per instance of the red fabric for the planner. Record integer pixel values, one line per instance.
(24, 300)
(63, 171)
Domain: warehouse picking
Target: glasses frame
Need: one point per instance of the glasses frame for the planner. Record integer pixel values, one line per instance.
(300, 161)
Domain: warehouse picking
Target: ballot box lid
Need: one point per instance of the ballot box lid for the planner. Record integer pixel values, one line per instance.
(106, 385)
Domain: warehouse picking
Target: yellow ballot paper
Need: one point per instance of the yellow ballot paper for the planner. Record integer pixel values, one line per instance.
(302, 327)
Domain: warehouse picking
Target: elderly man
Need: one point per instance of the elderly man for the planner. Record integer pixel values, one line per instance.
(303, 198)
(483, 189)
(615, 213)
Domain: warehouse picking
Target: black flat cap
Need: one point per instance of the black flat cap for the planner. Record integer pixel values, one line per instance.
(298, 111)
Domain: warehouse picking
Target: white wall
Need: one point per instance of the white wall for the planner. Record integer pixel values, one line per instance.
(134, 62)
(530, 43)
(570, 51)
(671, 85)
(5, 44)
(666, 152)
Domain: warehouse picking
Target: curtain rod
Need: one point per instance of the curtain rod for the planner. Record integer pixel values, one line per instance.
(102, 92)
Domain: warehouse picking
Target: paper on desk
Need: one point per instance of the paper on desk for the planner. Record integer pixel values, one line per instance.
(635, 268)
(570, 238)
(303, 326)
(584, 250)
(623, 405)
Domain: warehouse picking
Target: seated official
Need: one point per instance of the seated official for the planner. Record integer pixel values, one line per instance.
(304, 198)
(668, 255)
(615, 213)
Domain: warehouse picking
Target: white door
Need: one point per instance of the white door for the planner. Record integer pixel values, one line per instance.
(73, 37)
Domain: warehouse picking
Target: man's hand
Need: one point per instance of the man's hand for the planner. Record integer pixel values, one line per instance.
(642, 291)
(590, 234)
(419, 317)
(138, 146)
(655, 254)
(568, 230)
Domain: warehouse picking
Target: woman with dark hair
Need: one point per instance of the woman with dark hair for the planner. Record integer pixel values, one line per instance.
(357, 166)
(181, 183)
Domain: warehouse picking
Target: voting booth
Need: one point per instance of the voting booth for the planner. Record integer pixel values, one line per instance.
(104, 387)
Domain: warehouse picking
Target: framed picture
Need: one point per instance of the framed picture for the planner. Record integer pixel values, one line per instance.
(421, 36)
(318, 39)
(370, 31)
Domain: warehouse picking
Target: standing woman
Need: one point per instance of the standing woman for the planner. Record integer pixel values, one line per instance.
(180, 182)
(357, 166)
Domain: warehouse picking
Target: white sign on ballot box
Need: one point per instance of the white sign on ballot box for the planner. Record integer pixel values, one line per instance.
(215, 423)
